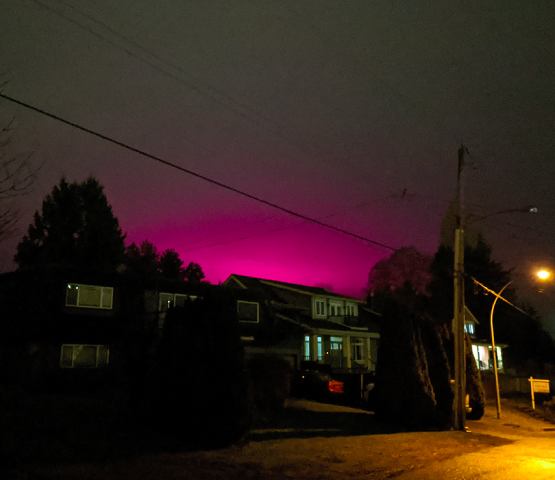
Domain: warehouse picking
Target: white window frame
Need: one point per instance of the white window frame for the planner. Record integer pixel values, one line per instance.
(74, 355)
(245, 302)
(174, 297)
(335, 308)
(106, 296)
(320, 308)
(350, 310)
(357, 346)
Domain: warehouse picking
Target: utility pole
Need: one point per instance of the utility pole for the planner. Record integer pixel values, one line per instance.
(459, 406)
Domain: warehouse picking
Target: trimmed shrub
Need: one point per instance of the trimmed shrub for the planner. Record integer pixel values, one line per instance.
(269, 384)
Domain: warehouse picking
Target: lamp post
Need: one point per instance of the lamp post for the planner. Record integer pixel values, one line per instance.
(459, 404)
(494, 352)
(543, 275)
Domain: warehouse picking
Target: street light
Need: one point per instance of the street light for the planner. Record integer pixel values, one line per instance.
(459, 403)
(543, 274)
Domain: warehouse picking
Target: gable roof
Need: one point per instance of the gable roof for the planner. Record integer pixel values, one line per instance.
(261, 284)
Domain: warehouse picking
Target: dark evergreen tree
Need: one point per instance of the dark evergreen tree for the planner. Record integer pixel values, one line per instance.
(171, 266)
(75, 227)
(477, 264)
(193, 273)
(146, 262)
(528, 344)
(143, 260)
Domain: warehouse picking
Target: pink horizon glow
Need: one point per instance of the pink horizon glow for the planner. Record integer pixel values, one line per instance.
(331, 260)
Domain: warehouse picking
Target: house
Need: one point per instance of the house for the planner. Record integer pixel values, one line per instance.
(60, 319)
(309, 325)
(482, 350)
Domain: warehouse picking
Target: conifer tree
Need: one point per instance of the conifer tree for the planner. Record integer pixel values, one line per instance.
(76, 226)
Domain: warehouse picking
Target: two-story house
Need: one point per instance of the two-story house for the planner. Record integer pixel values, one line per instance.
(481, 349)
(59, 319)
(331, 329)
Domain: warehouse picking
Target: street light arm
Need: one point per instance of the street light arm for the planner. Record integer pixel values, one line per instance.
(498, 295)
(493, 351)
(527, 209)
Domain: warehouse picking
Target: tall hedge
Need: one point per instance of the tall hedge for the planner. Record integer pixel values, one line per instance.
(412, 377)
(197, 389)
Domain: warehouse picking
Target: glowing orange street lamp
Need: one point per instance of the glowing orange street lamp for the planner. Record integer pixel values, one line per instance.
(543, 274)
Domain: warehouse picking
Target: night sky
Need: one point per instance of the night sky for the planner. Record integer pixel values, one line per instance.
(347, 112)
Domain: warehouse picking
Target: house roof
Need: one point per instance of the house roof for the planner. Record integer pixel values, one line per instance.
(469, 316)
(256, 283)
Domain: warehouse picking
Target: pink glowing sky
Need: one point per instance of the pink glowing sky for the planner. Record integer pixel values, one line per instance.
(348, 112)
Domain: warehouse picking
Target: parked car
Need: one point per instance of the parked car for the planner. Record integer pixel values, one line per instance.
(316, 385)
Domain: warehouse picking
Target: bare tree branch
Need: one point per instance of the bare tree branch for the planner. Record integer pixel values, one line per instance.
(17, 175)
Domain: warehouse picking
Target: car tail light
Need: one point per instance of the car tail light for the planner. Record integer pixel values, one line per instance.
(335, 387)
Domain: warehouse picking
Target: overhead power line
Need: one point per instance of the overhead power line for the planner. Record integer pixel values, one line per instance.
(195, 174)
(489, 290)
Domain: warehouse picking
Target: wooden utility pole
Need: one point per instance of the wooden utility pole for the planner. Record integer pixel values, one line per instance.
(458, 316)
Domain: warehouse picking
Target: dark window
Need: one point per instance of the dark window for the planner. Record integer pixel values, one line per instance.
(247, 311)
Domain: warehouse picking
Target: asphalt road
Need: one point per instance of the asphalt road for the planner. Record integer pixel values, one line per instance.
(529, 455)
(526, 458)
(328, 442)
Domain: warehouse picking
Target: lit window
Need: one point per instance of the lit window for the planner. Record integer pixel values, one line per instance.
(320, 348)
(168, 300)
(306, 347)
(89, 296)
(469, 328)
(84, 356)
(247, 311)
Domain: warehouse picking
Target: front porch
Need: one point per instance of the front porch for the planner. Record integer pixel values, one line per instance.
(343, 353)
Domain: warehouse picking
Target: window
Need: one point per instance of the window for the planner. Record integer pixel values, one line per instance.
(320, 350)
(350, 310)
(306, 347)
(89, 296)
(320, 306)
(357, 349)
(84, 356)
(168, 300)
(335, 309)
(469, 328)
(247, 311)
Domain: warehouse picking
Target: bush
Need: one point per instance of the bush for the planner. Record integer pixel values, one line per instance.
(269, 384)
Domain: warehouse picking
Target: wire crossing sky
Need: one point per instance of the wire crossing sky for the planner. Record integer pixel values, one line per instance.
(306, 107)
